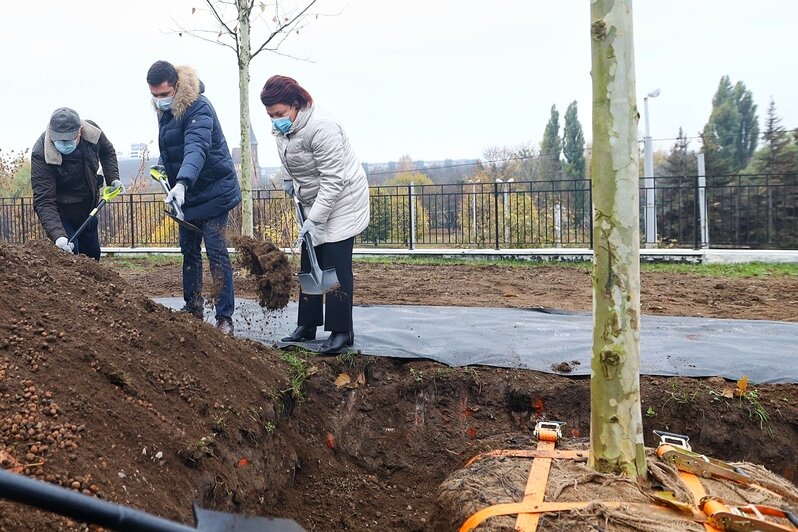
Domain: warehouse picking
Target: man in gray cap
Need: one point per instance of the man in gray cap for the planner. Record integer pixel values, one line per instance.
(66, 186)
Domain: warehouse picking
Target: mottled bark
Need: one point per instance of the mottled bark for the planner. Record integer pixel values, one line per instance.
(244, 57)
(616, 433)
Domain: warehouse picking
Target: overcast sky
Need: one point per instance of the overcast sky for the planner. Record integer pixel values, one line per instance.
(432, 79)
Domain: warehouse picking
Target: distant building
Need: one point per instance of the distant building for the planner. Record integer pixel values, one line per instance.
(138, 150)
(253, 147)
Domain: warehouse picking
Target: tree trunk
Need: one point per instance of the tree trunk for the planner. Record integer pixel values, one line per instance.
(616, 424)
(244, 56)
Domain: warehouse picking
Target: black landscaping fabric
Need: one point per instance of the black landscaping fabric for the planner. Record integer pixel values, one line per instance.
(544, 339)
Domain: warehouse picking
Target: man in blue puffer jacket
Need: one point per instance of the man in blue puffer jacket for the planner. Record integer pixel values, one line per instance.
(203, 180)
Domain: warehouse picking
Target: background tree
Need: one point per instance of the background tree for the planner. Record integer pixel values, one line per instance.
(616, 426)
(730, 136)
(681, 160)
(501, 163)
(779, 152)
(551, 149)
(233, 21)
(397, 189)
(777, 159)
(676, 191)
(574, 152)
(14, 174)
(528, 163)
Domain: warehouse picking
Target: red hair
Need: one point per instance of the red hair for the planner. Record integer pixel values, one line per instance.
(282, 89)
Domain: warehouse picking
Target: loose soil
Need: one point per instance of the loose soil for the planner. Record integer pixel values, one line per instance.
(549, 286)
(108, 393)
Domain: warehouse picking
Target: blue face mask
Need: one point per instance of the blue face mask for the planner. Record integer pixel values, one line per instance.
(163, 104)
(65, 146)
(282, 124)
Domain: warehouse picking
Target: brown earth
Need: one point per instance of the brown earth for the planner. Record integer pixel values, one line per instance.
(109, 393)
(549, 285)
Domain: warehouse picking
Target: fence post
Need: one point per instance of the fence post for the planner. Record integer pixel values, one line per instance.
(496, 210)
(410, 196)
(557, 224)
(702, 205)
(22, 209)
(132, 224)
(697, 215)
(590, 197)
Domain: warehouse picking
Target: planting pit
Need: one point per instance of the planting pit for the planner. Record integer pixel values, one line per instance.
(108, 393)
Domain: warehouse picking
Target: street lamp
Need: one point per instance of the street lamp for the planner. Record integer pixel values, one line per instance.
(648, 170)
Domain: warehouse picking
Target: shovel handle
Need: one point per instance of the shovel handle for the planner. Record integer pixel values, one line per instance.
(19, 488)
(85, 223)
(176, 209)
(314, 262)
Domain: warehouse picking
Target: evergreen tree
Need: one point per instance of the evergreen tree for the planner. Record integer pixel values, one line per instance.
(551, 148)
(779, 155)
(573, 144)
(730, 135)
(681, 160)
(574, 151)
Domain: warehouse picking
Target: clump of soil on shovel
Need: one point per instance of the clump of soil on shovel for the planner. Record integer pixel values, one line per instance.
(271, 269)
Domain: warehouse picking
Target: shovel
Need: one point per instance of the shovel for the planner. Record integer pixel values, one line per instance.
(316, 281)
(158, 173)
(63, 501)
(106, 195)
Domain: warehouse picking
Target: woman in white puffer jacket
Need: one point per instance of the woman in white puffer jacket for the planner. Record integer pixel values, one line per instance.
(330, 183)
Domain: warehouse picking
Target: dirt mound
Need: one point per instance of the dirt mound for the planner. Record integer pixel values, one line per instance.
(105, 391)
(109, 393)
(270, 268)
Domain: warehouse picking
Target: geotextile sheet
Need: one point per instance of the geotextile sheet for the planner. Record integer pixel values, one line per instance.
(544, 339)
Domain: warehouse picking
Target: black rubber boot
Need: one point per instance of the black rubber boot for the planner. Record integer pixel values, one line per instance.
(337, 342)
(301, 334)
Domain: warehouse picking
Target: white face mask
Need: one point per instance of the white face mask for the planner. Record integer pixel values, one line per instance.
(163, 104)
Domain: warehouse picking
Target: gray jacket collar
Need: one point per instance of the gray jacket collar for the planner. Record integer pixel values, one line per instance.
(89, 133)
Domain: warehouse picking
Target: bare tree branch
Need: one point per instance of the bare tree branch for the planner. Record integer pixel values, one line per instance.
(216, 41)
(282, 27)
(233, 34)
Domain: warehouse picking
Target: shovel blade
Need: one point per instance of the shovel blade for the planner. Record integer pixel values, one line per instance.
(317, 284)
(182, 223)
(210, 521)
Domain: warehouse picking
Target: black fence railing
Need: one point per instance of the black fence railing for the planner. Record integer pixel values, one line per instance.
(726, 211)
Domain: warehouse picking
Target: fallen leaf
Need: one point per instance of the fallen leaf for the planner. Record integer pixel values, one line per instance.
(728, 393)
(329, 440)
(242, 463)
(471, 432)
(10, 463)
(342, 380)
(576, 433)
(742, 386)
(537, 405)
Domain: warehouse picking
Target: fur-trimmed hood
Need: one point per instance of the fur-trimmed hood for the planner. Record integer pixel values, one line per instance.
(89, 133)
(189, 88)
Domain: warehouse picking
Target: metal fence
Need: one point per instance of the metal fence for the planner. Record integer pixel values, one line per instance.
(728, 211)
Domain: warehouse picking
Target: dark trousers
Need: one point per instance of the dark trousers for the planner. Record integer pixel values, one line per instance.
(87, 242)
(213, 232)
(337, 316)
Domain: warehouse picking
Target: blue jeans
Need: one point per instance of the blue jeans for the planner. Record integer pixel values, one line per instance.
(213, 232)
(88, 242)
